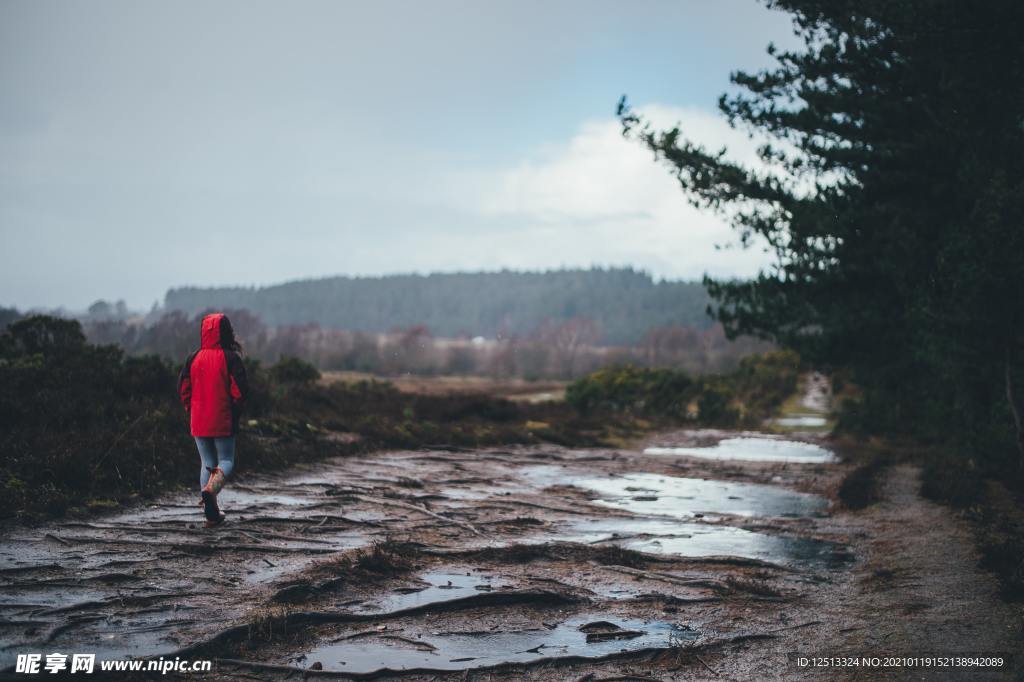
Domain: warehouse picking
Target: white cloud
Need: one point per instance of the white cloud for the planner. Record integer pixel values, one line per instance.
(602, 199)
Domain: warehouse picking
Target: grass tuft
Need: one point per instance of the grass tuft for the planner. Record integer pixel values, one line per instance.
(266, 624)
(760, 588)
(381, 559)
(613, 555)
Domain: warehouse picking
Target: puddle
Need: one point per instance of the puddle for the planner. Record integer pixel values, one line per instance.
(697, 539)
(684, 498)
(437, 586)
(755, 450)
(466, 651)
(809, 420)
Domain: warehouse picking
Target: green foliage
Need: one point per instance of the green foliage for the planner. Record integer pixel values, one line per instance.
(633, 389)
(80, 420)
(765, 381)
(714, 406)
(291, 370)
(52, 379)
(261, 392)
(893, 199)
(48, 336)
(752, 392)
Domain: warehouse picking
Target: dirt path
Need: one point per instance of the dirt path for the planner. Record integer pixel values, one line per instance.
(914, 590)
(919, 588)
(530, 563)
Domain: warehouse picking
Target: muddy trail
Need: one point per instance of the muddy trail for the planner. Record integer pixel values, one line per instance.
(696, 554)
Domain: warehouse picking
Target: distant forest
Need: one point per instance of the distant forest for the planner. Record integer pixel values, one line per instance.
(551, 325)
(623, 303)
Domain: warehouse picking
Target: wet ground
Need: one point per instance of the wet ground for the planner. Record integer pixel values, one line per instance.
(696, 554)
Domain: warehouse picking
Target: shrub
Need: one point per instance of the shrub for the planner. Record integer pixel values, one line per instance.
(81, 420)
(291, 370)
(714, 407)
(633, 389)
(759, 385)
(765, 381)
(43, 334)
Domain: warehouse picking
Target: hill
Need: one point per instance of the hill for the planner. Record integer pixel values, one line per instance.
(625, 303)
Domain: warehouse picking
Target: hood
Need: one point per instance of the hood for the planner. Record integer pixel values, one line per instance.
(209, 335)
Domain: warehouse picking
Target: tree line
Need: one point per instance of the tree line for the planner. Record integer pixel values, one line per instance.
(623, 303)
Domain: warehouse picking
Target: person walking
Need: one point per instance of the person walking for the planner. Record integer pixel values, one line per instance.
(213, 388)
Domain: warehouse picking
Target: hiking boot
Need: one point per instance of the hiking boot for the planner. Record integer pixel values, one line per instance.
(209, 496)
(210, 508)
(210, 523)
(216, 481)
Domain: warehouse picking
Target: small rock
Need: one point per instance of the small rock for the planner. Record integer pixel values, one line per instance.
(317, 666)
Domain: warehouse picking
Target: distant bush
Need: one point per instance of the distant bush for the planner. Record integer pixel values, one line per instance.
(751, 392)
(81, 421)
(633, 389)
(715, 407)
(261, 399)
(765, 381)
(50, 378)
(42, 334)
(292, 370)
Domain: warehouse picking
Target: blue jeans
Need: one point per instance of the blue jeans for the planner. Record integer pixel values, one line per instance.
(215, 452)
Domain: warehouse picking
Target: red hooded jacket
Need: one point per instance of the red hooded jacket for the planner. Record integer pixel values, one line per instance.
(212, 384)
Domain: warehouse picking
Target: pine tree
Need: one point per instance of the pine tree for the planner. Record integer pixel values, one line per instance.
(893, 198)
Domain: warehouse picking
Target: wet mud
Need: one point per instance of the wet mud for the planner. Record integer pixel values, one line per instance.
(539, 562)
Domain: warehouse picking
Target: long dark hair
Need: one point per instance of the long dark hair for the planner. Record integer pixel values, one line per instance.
(227, 336)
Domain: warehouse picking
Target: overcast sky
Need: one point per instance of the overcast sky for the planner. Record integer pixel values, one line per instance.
(145, 145)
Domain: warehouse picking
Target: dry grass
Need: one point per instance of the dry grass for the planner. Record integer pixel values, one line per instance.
(454, 385)
(381, 559)
(266, 624)
(613, 555)
(760, 588)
